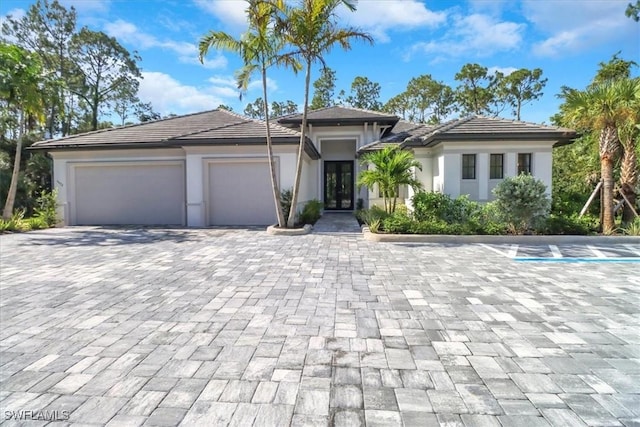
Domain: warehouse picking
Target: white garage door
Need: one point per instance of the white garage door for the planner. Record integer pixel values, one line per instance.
(150, 193)
(240, 194)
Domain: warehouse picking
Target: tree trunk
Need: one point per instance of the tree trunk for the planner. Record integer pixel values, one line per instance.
(608, 149)
(629, 180)
(13, 187)
(272, 166)
(303, 131)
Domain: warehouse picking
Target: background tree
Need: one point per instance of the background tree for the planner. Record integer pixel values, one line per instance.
(389, 168)
(104, 66)
(324, 89)
(256, 109)
(279, 109)
(365, 94)
(47, 29)
(125, 102)
(22, 101)
(633, 11)
(400, 106)
(476, 91)
(311, 29)
(429, 100)
(144, 112)
(519, 88)
(224, 107)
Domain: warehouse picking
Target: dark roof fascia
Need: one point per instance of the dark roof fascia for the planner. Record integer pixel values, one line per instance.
(310, 149)
(435, 139)
(117, 146)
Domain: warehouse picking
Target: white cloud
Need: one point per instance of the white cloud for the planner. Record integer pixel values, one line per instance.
(272, 86)
(187, 52)
(475, 35)
(229, 12)
(504, 70)
(575, 26)
(379, 17)
(15, 14)
(167, 95)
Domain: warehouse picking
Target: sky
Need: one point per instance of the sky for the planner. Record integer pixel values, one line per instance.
(567, 39)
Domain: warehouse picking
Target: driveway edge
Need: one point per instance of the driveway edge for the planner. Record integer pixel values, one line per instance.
(445, 238)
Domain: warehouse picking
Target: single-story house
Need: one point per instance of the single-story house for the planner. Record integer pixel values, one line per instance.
(211, 168)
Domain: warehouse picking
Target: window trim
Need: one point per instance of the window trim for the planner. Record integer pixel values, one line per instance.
(467, 167)
(528, 170)
(493, 167)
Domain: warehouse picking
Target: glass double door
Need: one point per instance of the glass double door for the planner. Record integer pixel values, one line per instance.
(338, 185)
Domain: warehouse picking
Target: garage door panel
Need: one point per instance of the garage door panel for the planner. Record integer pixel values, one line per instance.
(240, 194)
(142, 194)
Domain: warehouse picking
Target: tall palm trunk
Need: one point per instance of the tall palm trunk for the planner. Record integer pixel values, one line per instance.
(608, 149)
(13, 187)
(296, 183)
(629, 178)
(272, 166)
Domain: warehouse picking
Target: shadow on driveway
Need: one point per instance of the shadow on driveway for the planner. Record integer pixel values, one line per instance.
(112, 236)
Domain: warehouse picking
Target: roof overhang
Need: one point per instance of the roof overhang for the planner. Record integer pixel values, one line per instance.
(310, 149)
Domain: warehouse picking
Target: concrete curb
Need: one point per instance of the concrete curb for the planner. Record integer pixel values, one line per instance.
(274, 230)
(521, 240)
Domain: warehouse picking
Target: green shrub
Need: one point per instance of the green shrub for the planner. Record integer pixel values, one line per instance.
(429, 206)
(15, 223)
(398, 222)
(46, 207)
(311, 212)
(523, 201)
(633, 228)
(367, 216)
(571, 225)
(374, 225)
(37, 223)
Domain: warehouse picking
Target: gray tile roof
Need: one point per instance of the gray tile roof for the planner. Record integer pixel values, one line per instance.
(340, 114)
(487, 128)
(472, 128)
(216, 127)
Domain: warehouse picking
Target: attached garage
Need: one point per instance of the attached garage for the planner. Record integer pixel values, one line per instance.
(240, 192)
(123, 193)
(196, 170)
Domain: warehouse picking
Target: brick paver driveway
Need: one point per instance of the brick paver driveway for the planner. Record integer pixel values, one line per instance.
(209, 327)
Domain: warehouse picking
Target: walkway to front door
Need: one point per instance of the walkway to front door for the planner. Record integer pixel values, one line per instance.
(337, 222)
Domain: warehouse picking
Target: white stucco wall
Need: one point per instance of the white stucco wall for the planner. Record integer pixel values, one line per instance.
(197, 166)
(480, 188)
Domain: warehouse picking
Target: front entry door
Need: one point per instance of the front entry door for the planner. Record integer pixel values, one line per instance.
(338, 185)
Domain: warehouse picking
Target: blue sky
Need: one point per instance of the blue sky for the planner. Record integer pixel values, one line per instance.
(565, 38)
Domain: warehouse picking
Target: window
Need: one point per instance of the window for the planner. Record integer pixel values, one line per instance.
(468, 166)
(524, 163)
(496, 169)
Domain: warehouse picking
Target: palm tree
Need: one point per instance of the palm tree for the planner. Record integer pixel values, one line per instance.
(602, 108)
(311, 29)
(393, 167)
(629, 134)
(22, 101)
(259, 49)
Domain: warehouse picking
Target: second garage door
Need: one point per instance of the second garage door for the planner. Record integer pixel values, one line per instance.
(240, 193)
(146, 193)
